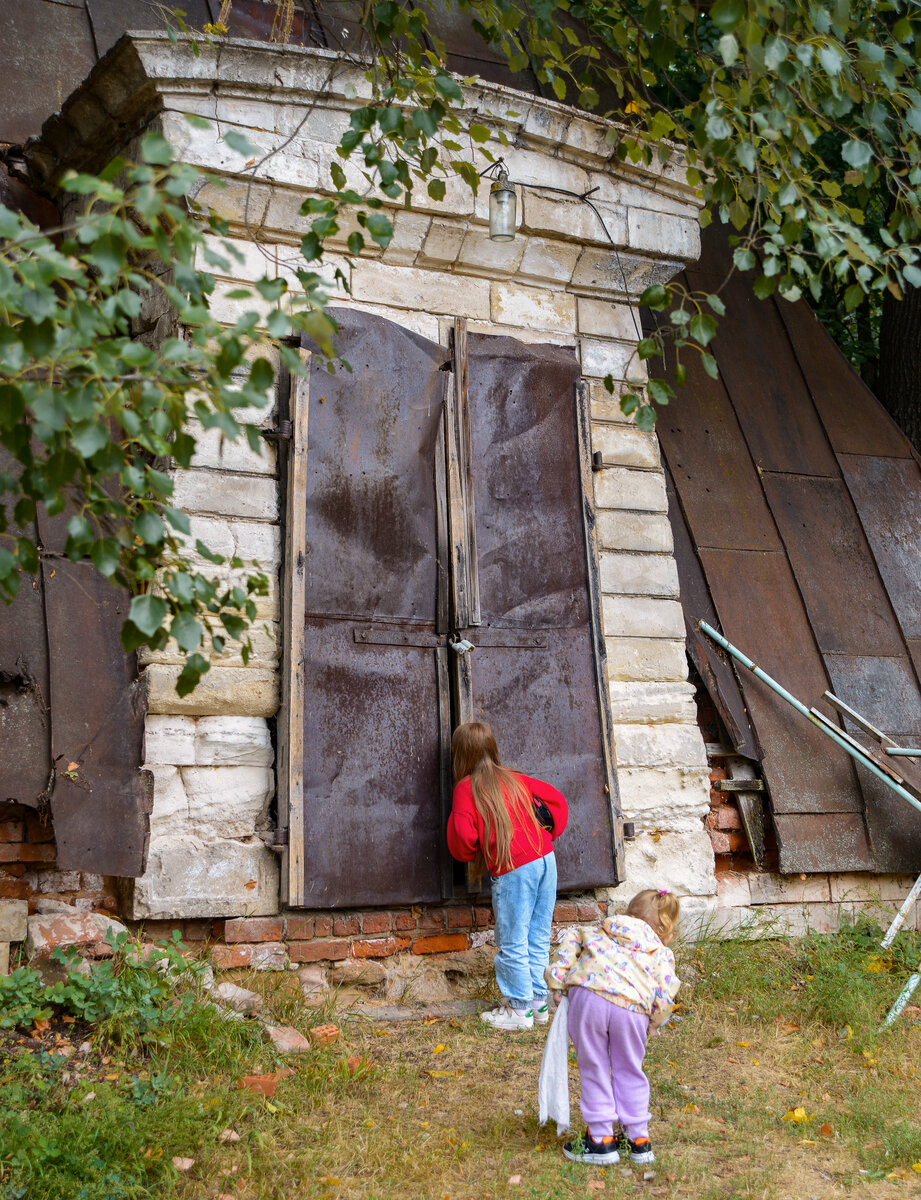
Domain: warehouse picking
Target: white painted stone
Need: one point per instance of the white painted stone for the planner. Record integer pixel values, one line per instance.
(225, 802)
(646, 617)
(644, 193)
(479, 254)
(427, 291)
(664, 798)
(236, 691)
(13, 917)
(284, 220)
(789, 889)
(528, 337)
(425, 324)
(239, 999)
(45, 932)
(169, 739)
(442, 243)
(652, 702)
(606, 405)
(216, 451)
(678, 237)
(233, 742)
(601, 318)
(660, 745)
(587, 137)
(409, 234)
(733, 889)
(618, 359)
(532, 308)
(645, 659)
(681, 862)
(548, 259)
(571, 220)
(170, 813)
(226, 494)
(263, 637)
(860, 886)
(624, 446)
(624, 487)
(893, 887)
(648, 532)
(605, 273)
(217, 879)
(638, 574)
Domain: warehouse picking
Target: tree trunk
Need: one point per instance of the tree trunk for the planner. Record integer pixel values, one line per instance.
(898, 381)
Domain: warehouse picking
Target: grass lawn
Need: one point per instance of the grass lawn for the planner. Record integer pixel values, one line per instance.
(773, 1082)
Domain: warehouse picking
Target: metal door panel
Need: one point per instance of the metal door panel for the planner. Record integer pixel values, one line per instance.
(526, 483)
(372, 761)
(887, 495)
(371, 548)
(756, 597)
(884, 690)
(543, 708)
(848, 607)
(543, 701)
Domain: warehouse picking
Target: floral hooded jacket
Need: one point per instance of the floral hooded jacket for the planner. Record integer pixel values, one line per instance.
(624, 961)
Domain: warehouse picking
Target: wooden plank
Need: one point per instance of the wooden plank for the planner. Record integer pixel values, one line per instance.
(599, 652)
(446, 775)
(738, 785)
(465, 450)
(442, 584)
(457, 514)
(291, 715)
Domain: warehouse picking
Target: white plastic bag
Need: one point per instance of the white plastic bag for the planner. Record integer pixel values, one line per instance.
(553, 1084)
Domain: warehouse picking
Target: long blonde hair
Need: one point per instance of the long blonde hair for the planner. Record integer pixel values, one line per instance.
(498, 793)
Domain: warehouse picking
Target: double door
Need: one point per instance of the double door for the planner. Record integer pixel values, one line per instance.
(448, 573)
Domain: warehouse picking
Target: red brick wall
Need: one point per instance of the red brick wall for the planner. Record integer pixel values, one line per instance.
(28, 865)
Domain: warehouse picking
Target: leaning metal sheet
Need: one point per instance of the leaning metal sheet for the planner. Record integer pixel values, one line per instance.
(713, 664)
(813, 842)
(887, 495)
(709, 461)
(844, 596)
(760, 610)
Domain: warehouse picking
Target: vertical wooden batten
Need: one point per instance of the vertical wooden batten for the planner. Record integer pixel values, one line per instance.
(291, 714)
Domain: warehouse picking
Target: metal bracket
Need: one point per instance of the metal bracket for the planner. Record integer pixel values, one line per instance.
(739, 785)
(283, 433)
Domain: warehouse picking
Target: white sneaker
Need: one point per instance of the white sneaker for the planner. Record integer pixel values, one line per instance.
(506, 1017)
(541, 1015)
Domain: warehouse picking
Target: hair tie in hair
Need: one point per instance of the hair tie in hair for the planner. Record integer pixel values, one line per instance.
(663, 891)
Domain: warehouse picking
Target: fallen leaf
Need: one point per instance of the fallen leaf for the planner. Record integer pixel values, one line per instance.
(790, 1027)
(741, 1043)
(271, 1107)
(431, 1020)
(439, 1049)
(443, 1074)
(806, 1142)
(183, 1164)
(40, 1026)
(251, 884)
(797, 1115)
(826, 1130)
(737, 1061)
(514, 1180)
(916, 1167)
(691, 1108)
(73, 766)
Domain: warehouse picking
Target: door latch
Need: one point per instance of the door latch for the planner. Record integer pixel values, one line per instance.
(461, 645)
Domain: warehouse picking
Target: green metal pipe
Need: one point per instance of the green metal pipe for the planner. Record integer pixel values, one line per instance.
(801, 708)
(908, 752)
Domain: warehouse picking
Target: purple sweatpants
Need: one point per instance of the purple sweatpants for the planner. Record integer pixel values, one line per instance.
(610, 1046)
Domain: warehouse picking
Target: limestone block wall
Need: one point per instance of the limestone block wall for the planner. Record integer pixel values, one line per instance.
(560, 281)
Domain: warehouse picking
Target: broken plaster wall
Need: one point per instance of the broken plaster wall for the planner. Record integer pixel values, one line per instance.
(559, 282)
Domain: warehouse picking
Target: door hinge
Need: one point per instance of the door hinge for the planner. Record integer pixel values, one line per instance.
(281, 434)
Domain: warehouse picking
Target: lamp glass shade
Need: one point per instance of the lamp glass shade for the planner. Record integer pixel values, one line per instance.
(502, 204)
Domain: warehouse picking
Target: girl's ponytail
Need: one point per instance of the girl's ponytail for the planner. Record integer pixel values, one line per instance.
(659, 908)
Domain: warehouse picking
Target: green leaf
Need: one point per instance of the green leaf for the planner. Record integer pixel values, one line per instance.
(380, 229)
(716, 305)
(709, 365)
(479, 133)
(436, 189)
(189, 677)
(209, 555)
(718, 128)
(177, 519)
(186, 631)
(356, 243)
(105, 556)
(743, 258)
(149, 528)
(645, 418)
(655, 297)
(764, 286)
(156, 149)
(89, 438)
(729, 49)
(703, 328)
(241, 143)
(147, 613)
(38, 338)
(448, 87)
(726, 14)
(857, 153)
(853, 297)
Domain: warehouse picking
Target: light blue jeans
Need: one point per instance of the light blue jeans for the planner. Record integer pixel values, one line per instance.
(522, 903)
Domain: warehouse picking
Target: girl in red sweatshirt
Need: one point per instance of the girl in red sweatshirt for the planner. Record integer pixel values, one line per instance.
(506, 822)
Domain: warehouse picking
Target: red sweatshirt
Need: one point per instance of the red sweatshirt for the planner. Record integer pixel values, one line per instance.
(466, 832)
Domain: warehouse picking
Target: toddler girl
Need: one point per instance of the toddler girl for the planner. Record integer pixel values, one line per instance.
(508, 822)
(622, 983)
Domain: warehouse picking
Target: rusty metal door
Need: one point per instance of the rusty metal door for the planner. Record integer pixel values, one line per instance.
(430, 519)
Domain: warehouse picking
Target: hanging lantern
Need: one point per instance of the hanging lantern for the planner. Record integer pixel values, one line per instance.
(502, 203)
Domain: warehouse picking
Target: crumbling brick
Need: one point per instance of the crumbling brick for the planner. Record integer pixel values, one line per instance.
(251, 929)
(403, 921)
(299, 929)
(588, 910)
(376, 922)
(318, 951)
(565, 913)
(442, 944)
(346, 926)
(379, 947)
(226, 958)
(460, 918)
(322, 926)
(483, 917)
(432, 918)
